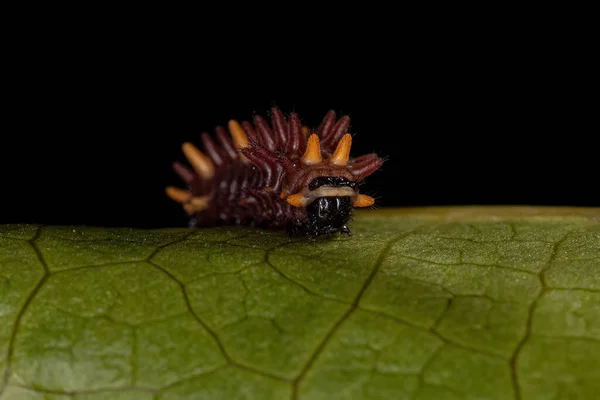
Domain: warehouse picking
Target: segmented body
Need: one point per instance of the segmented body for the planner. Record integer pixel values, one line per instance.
(268, 175)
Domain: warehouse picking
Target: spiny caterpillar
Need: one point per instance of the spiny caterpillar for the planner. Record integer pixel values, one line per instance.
(280, 176)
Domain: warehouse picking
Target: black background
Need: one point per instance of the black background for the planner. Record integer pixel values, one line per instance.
(98, 127)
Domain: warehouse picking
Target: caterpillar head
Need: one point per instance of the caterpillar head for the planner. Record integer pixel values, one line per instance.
(327, 189)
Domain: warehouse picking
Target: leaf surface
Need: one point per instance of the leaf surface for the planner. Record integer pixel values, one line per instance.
(438, 303)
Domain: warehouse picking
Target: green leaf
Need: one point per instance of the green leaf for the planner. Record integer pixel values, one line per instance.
(440, 303)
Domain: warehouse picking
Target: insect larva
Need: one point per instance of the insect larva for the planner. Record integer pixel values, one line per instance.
(279, 176)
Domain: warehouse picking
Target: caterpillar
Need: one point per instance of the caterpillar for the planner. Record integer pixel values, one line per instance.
(281, 175)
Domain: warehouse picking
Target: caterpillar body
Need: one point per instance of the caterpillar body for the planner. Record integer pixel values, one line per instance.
(280, 175)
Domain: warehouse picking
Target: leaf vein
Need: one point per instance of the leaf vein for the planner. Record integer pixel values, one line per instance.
(28, 300)
(355, 304)
(468, 264)
(574, 289)
(529, 321)
(210, 331)
(566, 337)
(302, 286)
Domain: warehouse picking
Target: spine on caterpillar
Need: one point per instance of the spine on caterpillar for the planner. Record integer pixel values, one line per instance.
(280, 175)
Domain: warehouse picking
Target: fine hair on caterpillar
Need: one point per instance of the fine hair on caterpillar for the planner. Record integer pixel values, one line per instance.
(277, 175)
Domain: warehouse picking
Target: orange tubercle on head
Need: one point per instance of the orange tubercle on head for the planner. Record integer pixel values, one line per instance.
(362, 200)
(342, 152)
(313, 151)
(296, 200)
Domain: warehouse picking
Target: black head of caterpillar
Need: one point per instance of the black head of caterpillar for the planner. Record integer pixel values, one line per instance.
(279, 175)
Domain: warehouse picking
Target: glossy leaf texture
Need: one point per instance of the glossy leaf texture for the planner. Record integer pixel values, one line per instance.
(448, 303)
